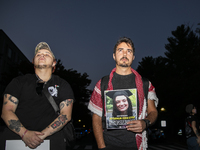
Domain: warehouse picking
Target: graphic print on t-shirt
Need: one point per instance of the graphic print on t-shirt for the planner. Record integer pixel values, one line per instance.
(53, 90)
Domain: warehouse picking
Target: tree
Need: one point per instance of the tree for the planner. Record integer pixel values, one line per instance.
(198, 29)
(79, 83)
(183, 57)
(154, 69)
(176, 76)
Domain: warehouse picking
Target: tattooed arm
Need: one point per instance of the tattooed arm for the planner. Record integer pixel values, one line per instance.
(61, 120)
(8, 114)
(10, 104)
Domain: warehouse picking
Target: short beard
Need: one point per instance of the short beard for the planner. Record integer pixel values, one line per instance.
(123, 64)
(43, 66)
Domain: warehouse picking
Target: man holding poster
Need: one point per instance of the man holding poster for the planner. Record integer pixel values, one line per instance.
(132, 135)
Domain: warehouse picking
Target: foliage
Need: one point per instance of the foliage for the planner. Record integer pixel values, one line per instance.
(176, 76)
(109, 103)
(79, 83)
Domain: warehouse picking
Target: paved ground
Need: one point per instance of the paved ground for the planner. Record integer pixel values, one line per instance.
(177, 139)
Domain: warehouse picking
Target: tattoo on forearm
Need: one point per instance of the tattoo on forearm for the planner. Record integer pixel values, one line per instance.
(56, 130)
(12, 100)
(15, 125)
(5, 95)
(62, 105)
(5, 103)
(61, 120)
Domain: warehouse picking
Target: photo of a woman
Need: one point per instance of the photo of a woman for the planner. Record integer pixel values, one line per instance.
(121, 107)
(121, 104)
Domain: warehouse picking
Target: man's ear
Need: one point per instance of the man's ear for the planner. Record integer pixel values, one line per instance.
(114, 56)
(133, 57)
(33, 60)
(54, 63)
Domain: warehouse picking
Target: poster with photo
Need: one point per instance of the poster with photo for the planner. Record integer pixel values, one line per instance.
(121, 107)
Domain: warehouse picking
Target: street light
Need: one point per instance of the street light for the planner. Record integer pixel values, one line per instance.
(162, 109)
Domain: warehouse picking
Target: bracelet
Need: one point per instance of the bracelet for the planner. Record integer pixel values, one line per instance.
(148, 123)
(24, 134)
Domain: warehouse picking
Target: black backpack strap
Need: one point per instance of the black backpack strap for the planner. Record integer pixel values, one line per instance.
(51, 100)
(146, 89)
(104, 86)
(49, 97)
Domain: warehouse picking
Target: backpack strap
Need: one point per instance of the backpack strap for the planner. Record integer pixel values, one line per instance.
(49, 97)
(104, 86)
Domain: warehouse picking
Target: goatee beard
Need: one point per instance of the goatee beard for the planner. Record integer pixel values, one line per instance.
(43, 66)
(124, 65)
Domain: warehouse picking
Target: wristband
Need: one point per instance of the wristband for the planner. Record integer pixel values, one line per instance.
(24, 134)
(147, 123)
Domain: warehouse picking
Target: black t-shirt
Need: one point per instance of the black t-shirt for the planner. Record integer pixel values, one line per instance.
(121, 137)
(35, 111)
(188, 126)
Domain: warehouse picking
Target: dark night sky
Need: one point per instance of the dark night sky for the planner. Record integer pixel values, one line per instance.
(83, 33)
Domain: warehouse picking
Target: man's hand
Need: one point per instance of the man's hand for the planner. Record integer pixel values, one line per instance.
(31, 139)
(139, 125)
(98, 131)
(136, 126)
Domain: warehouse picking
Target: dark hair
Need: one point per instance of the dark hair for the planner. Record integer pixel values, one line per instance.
(126, 40)
(117, 112)
(189, 108)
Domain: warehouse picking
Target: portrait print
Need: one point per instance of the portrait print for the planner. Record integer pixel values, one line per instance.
(121, 107)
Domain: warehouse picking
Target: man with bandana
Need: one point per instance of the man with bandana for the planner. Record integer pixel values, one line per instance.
(133, 137)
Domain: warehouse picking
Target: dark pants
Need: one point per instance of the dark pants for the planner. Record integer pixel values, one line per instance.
(192, 143)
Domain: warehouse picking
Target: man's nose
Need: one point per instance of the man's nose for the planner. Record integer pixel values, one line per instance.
(42, 55)
(125, 52)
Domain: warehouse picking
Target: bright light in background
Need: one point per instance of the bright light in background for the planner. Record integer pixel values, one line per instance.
(79, 120)
(162, 109)
(163, 123)
(83, 126)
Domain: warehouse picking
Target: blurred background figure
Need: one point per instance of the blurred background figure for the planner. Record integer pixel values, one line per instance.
(192, 128)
